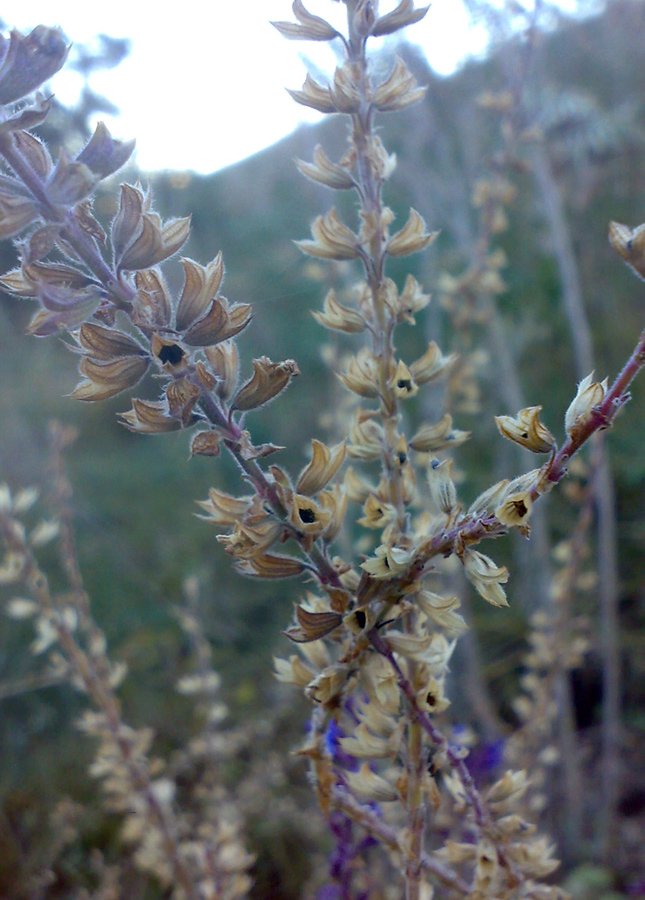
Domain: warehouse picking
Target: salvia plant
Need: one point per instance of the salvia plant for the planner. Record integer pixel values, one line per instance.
(373, 634)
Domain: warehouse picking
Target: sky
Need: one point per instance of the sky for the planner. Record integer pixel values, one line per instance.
(205, 88)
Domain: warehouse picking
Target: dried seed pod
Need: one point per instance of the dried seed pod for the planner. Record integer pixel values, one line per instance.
(223, 509)
(312, 626)
(269, 379)
(589, 395)
(16, 213)
(515, 511)
(104, 344)
(323, 171)
(292, 671)
(412, 238)
(629, 244)
(107, 379)
(403, 15)
(339, 317)
(201, 284)
(322, 468)
(486, 577)
(402, 382)
(332, 239)
(399, 90)
(314, 95)
(307, 516)
(432, 438)
(361, 375)
(104, 155)
(369, 786)
(28, 61)
(311, 28)
(224, 361)
(432, 365)
(149, 417)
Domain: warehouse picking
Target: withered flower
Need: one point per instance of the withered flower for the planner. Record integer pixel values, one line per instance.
(377, 514)
(182, 396)
(293, 671)
(270, 566)
(323, 171)
(441, 611)
(151, 307)
(344, 89)
(201, 285)
(248, 541)
(169, 353)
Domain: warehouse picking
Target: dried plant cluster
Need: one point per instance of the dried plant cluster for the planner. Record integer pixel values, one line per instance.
(374, 634)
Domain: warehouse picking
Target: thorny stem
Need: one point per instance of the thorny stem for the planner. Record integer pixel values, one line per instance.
(103, 698)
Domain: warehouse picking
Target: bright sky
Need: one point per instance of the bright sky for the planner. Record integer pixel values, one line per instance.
(205, 87)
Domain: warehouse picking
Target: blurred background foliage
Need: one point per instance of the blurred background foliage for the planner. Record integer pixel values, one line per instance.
(134, 496)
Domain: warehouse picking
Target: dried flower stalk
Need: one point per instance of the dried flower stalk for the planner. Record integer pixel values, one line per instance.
(375, 635)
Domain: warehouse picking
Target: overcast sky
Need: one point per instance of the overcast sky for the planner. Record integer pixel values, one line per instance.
(205, 89)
